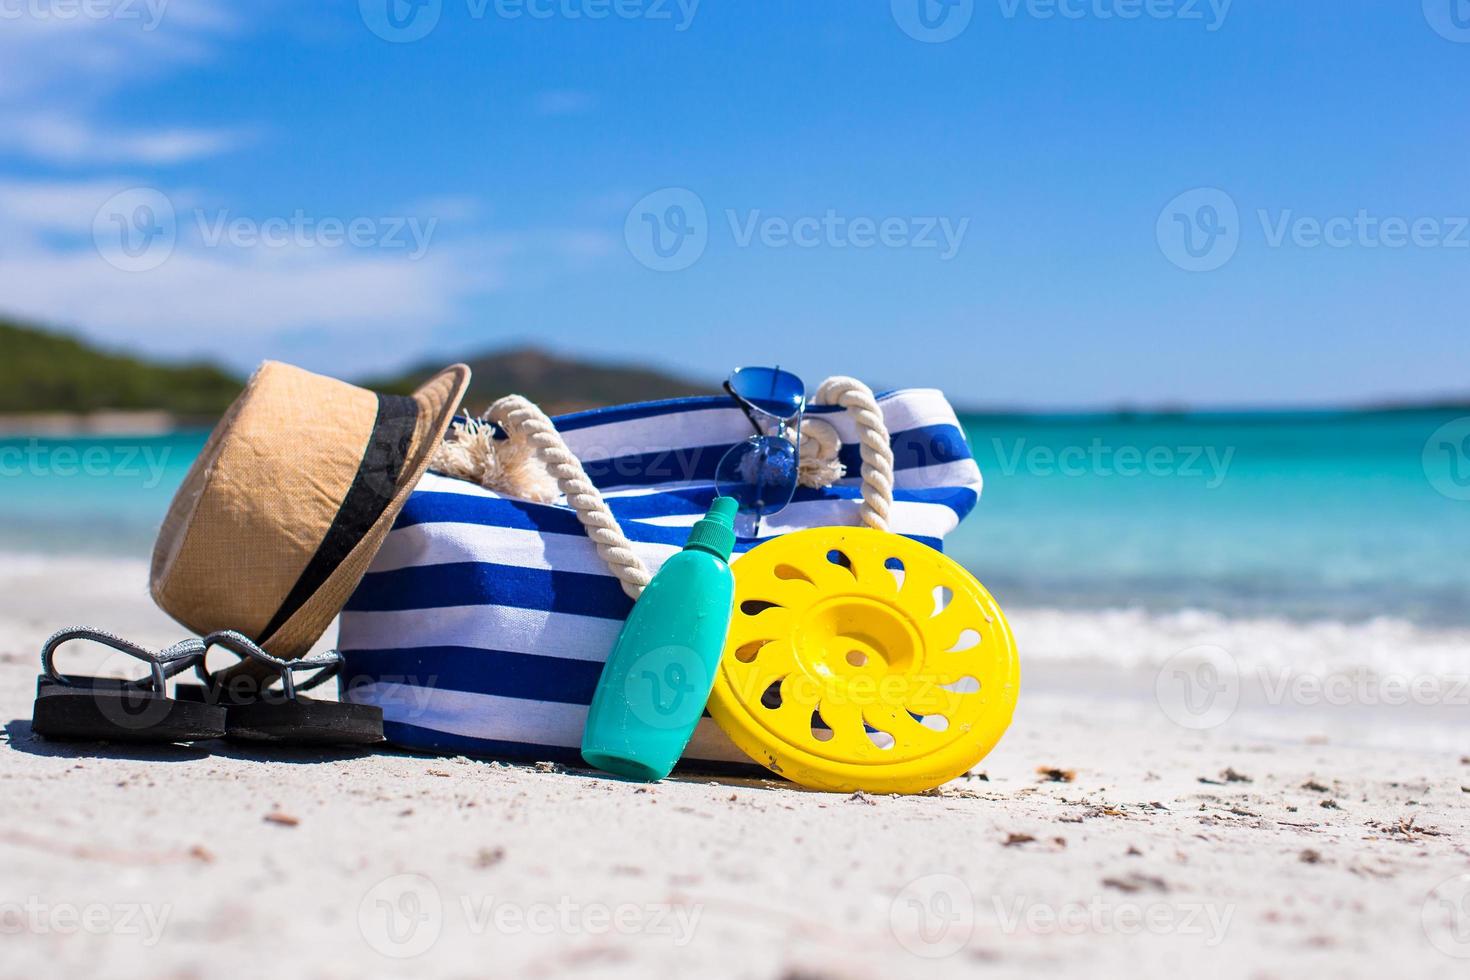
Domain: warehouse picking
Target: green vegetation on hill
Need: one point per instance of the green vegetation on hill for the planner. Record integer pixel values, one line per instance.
(555, 383)
(44, 372)
(47, 372)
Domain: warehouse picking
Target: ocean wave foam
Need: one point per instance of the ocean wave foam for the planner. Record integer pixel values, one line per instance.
(1140, 639)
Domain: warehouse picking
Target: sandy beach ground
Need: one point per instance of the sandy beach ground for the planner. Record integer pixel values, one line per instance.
(1102, 838)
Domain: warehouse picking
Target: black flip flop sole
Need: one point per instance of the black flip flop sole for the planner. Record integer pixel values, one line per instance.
(302, 721)
(306, 722)
(103, 710)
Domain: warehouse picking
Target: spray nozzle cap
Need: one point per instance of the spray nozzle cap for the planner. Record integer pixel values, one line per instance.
(715, 532)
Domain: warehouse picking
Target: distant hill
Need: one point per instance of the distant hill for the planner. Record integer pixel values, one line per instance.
(557, 384)
(42, 372)
(46, 373)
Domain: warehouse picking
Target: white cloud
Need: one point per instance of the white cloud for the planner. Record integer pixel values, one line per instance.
(208, 291)
(61, 61)
(60, 206)
(69, 140)
(197, 293)
(47, 45)
(56, 269)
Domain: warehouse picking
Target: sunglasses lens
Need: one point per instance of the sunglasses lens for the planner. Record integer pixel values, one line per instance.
(773, 391)
(760, 473)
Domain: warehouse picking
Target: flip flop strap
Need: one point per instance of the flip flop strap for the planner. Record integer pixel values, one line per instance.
(328, 663)
(161, 665)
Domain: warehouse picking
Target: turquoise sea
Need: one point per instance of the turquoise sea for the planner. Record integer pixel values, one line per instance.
(1344, 517)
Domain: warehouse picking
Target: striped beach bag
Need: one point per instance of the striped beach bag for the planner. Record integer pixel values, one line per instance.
(482, 625)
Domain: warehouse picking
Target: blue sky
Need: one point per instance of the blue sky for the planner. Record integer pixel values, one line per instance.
(1036, 202)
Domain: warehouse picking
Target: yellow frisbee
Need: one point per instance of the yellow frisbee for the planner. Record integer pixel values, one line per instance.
(859, 659)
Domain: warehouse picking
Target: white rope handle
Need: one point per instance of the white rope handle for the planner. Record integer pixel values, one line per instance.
(520, 419)
(876, 450)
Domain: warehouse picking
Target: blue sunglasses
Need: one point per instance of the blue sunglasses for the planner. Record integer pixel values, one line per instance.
(761, 472)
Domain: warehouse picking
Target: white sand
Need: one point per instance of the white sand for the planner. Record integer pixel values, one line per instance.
(1322, 855)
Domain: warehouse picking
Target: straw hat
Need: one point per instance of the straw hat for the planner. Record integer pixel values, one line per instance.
(295, 490)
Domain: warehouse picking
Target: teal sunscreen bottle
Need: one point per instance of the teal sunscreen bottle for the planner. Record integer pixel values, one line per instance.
(658, 677)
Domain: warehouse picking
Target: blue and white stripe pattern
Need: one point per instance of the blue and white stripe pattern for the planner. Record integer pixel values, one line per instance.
(483, 623)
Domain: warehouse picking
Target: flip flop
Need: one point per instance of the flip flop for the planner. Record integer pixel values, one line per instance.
(258, 711)
(104, 709)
